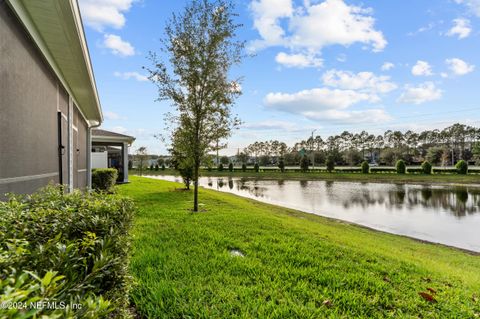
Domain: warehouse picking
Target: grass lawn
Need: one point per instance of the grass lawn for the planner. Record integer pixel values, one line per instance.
(377, 177)
(295, 265)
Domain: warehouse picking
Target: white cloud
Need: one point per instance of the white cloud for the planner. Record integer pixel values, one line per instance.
(308, 28)
(298, 60)
(326, 104)
(131, 75)
(461, 28)
(473, 5)
(387, 66)
(117, 45)
(459, 67)
(113, 116)
(362, 81)
(271, 125)
(99, 14)
(422, 68)
(422, 93)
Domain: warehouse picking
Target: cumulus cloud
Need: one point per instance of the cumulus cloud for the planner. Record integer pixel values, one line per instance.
(472, 5)
(362, 81)
(387, 66)
(131, 75)
(459, 67)
(422, 68)
(99, 14)
(271, 125)
(308, 28)
(419, 94)
(298, 60)
(326, 104)
(117, 45)
(461, 28)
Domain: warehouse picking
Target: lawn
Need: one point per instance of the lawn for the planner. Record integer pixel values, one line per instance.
(337, 176)
(294, 265)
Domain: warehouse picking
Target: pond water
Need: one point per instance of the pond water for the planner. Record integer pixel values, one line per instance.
(442, 214)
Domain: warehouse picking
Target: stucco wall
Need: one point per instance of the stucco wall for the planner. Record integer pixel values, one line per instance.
(30, 96)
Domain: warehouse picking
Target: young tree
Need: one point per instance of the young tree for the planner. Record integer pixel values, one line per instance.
(141, 157)
(201, 48)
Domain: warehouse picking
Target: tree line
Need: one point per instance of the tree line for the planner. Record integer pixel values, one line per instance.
(439, 147)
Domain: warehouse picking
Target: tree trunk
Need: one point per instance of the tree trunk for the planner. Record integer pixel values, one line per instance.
(195, 187)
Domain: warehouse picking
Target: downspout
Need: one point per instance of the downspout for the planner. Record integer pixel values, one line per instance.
(89, 152)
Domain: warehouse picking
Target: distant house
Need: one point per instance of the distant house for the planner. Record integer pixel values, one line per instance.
(48, 96)
(110, 150)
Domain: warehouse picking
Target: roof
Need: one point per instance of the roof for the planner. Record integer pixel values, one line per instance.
(56, 28)
(99, 135)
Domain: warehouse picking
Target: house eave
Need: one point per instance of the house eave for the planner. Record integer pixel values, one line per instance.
(57, 30)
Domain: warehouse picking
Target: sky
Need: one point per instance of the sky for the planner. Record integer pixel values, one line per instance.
(328, 66)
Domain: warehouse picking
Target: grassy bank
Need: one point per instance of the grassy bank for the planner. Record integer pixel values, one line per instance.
(295, 265)
(358, 177)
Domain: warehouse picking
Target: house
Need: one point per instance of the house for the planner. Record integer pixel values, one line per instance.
(110, 150)
(48, 96)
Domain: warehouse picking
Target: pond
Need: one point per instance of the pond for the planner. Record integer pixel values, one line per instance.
(448, 215)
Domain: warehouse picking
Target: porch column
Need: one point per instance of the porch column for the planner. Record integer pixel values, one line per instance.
(125, 162)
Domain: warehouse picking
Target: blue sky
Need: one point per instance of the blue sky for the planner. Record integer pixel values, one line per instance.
(329, 65)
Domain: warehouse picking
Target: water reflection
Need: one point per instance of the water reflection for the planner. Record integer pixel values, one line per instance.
(448, 215)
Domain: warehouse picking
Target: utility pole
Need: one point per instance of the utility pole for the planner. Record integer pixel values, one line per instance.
(313, 153)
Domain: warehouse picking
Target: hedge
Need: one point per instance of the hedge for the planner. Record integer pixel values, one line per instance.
(382, 170)
(415, 170)
(103, 179)
(444, 170)
(65, 248)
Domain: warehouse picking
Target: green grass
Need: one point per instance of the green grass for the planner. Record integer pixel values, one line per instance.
(296, 265)
(376, 177)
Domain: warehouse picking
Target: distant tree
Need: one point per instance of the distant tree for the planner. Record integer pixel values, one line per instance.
(476, 153)
(256, 167)
(365, 167)
(201, 49)
(230, 167)
(401, 167)
(224, 160)
(462, 167)
(244, 167)
(427, 168)
(242, 157)
(220, 167)
(151, 167)
(434, 155)
(130, 164)
(330, 162)
(264, 160)
(156, 167)
(304, 163)
(281, 165)
(141, 156)
(160, 161)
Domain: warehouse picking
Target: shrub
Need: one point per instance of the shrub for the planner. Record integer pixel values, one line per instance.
(151, 167)
(156, 167)
(163, 167)
(103, 179)
(244, 168)
(304, 164)
(462, 167)
(230, 167)
(427, 167)
(130, 164)
(330, 163)
(220, 167)
(66, 248)
(256, 167)
(401, 167)
(281, 165)
(365, 167)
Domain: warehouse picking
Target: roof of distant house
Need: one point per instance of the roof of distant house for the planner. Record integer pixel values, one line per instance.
(99, 134)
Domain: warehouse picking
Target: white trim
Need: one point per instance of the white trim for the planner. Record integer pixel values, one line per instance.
(70, 145)
(25, 178)
(115, 139)
(81, 170)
